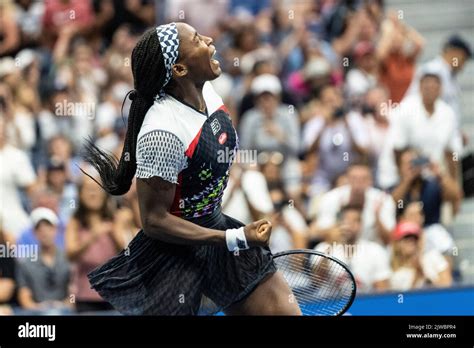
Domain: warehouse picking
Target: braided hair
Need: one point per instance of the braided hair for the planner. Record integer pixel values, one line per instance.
(149, 74)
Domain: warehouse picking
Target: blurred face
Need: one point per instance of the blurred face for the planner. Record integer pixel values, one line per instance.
(414, 213)
(350, 225)
(196, 56)
(332, 97)
(122, 39)
(458, 58)
(45, 233)
(267, 103)
(408, 245)
(60, 148)
(57, 177)
(92, 196)
(83, 59)
(359, 178)
(430, 89)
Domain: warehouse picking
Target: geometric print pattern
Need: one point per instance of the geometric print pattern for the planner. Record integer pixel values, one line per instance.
(169, 42)
(160, 153)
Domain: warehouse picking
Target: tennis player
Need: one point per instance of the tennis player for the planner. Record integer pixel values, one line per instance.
(188, 252)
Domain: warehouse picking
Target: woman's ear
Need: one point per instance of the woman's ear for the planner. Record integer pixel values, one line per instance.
(179, 70)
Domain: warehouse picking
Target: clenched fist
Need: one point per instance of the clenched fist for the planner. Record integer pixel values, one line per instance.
(258, 233)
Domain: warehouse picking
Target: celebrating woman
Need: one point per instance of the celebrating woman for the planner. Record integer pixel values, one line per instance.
(189, 258)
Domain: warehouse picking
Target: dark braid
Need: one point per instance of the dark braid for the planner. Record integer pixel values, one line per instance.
(148, 74)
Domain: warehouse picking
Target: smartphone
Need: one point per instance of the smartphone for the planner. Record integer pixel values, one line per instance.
(420, 161)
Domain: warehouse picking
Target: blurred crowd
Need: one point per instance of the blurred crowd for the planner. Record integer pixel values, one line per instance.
(357, 143)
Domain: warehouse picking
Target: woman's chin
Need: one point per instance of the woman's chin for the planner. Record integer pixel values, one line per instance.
(216, 72)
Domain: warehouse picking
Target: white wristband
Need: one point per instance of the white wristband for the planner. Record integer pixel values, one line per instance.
(235, 239)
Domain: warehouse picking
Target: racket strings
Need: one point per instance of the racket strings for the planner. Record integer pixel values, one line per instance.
(320, 285)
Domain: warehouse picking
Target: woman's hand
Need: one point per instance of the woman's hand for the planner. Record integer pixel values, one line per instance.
(258, 233)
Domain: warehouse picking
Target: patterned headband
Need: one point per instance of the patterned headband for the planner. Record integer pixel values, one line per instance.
(169, 42)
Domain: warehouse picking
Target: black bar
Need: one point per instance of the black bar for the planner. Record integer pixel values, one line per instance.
(136, 331)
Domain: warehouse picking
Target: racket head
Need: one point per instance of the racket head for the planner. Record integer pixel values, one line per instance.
(322, 284)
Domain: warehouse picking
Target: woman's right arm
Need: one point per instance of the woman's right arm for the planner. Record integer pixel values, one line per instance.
(156, 196)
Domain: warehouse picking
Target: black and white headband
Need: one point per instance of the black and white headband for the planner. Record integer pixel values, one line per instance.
(169, 42)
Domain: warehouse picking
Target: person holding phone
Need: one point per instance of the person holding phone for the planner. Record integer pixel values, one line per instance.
(422, 180)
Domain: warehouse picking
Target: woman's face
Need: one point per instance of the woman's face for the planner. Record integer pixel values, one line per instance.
(196, 56)
(408, 246)
(92, 196)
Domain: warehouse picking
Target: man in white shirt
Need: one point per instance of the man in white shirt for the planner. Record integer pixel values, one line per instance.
(368, 261)
(425, 123)
(455, 54)
(378, 207)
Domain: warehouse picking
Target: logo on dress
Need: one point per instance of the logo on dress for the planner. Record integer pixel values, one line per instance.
(215, 126)
(222, 138)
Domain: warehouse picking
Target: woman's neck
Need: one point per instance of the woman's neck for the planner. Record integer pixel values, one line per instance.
(189, 93)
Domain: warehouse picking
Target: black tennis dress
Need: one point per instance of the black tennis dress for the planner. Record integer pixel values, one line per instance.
(195, 151)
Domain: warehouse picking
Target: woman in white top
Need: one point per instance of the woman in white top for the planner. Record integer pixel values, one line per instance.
(412, 267)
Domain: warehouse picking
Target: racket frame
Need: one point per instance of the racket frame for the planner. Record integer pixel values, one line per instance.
(332, 258)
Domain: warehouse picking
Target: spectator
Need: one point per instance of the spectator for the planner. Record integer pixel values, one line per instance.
(336, 137)
(246, 197)
(397, 51)
(12, 178)
(44, 199)
(118, 55)
(435, 235)
(368, 261)
(290, 230)
(216, 11)
(57, 184)
(19, 119)
(412, 267)
(29, 14)
(365, 73)
(311, 79)
(432, 189)
(273, 126)
(426, 124)
(139, 15)
(376, 112)
(109, 122)
(57, 19)
(456, 52)
(43, 284)
(7, 275)
(91, 239)
(60, 150)
(378, 208)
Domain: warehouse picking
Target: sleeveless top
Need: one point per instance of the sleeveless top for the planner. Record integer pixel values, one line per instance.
(191, 149)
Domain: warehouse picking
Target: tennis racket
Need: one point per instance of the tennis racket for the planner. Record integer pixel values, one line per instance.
(321, 284)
